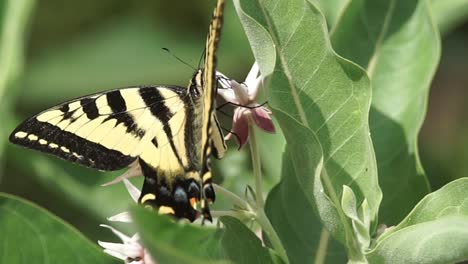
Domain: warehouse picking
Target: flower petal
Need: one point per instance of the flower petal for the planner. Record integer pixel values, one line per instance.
(121, 235)
(148, 258)
(240, 127)
(241, 91)
(114, 249)
(226, 92)
(262, 119)
(252, 75)
(254, 88)
(111, 252)
(132, 190)
(121, 217)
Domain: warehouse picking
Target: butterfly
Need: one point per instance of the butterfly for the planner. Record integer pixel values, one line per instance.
(169, 131)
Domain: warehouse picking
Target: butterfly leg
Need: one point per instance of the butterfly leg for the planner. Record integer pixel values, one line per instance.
(208, 194)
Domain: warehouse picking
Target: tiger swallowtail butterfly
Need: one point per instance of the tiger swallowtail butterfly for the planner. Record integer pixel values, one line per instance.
(169, 131)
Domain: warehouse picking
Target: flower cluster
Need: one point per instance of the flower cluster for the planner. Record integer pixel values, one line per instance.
(244, 96)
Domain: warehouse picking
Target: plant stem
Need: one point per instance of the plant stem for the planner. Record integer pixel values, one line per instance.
(275, 241)
(354, 251)
(261, 217)
(232, 197)
(256, 165)
(232, 213)
(322, 247)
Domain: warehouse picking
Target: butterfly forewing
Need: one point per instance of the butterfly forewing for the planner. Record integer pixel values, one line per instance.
(108, 131)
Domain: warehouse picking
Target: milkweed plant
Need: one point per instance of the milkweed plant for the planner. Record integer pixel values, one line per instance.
(344, 86)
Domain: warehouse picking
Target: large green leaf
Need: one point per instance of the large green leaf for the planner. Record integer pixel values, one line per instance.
(398, 44)
(439, 241)
(327, 94)
(242, 246)
(297, 223)
(436, 230)
(30, 234)
(331, 9)
(448, 14)
(450, 200)
(171, 242)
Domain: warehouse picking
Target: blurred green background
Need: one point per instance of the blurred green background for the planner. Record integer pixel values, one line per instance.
(73, 48)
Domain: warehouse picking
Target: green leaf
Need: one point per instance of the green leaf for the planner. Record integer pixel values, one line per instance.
(331, 9)
(448, 14)
(32, 235)
(328, 95)
(450, 200)
(399, 46)
(241, 245)
(358, 216)
(171, 242)
(439, 241)
(297, 224)
(434, 232)
(260, 39)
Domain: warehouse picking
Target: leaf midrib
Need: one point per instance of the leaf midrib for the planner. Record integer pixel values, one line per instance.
(324, 173)
(285, 66)
(378, 44)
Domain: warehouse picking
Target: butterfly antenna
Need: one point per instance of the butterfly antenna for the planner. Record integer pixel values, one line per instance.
(179, 59)
(235, 134)
(201, 58)
(239, 105)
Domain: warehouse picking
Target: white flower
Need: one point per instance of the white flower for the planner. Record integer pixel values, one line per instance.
(135, 194)
(244, 96)
(130, 250)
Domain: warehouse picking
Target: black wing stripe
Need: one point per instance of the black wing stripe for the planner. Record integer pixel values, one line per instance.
(70, 147)
(89, 108)
(190, 138)
(64, 108)
(118, 106)
(116, 101)
(161, 112)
